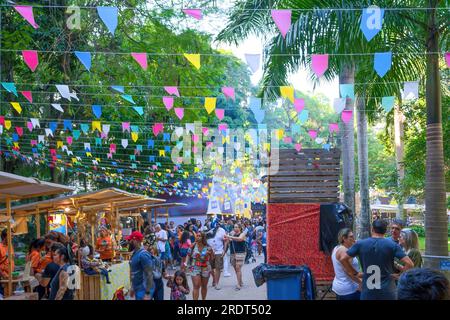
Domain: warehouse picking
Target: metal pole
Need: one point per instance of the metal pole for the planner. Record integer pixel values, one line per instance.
(10, 255)
(37, 222)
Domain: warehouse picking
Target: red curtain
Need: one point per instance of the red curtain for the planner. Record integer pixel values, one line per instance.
(293, 238)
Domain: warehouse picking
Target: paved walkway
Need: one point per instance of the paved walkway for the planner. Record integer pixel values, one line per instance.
(248, 292)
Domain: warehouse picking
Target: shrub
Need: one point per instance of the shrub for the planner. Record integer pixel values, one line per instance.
(420, 230)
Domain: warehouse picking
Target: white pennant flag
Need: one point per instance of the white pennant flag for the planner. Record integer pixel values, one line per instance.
(48, 132)
(190, 127)
(41, 139)
(78, 158)
(253, 61)
(105, 128)
(124, 143)
(35, 123)
(1, 129)
(339, 104)
(69, 153)
(410, 90)
(64, 91)
(57, 107)
(179, 131)
(87, 146)
(95, 162)
(64, 148)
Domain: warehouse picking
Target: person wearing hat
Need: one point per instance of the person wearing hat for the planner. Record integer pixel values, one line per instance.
(141, 269)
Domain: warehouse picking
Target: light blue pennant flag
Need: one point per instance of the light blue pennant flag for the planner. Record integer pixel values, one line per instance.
(118, 89)
(128, 98)
(387, 103)
(109, 17)
(10, 87)
(84, 127)
(85, 59)
(134, 128)
(76, 134)
(139, 110)
(98, 141)
(347, 90)
(303, 116)
(97, 110)
(382, 62)
(371, 21)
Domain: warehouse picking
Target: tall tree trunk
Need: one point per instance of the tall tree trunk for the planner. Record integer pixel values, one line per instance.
(435, 200)
(399, 120)
(363, 168)
(347, 75)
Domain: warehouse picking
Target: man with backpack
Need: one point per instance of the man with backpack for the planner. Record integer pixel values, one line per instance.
(141, 268)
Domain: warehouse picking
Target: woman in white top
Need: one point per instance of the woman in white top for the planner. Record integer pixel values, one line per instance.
(347, 279)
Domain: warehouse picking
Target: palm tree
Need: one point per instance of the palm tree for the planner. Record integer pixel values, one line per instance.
(337, 32)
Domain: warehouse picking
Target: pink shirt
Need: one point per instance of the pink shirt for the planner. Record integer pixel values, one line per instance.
(186, 245)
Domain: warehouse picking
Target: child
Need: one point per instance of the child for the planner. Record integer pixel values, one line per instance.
(179, 285)
(91, 266)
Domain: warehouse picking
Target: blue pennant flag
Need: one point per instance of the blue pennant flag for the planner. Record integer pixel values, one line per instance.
(68, 125)
(109, 17)
(150, 144)
(151, 159)
(348, 90)
(255, 103)
(166, 137)
(303, 116)
(167, 149)
(128, 98)
(53, 126)
(84, 127)
(76, 134)
(118, 89)
(10, 87)
(85, 59)
(97, 110)
(259, 115)
(139, 110)
(134, 128)
(15, 137)
(295, 129)
(371, 21)
(34, 150)
(382, 62)
(387, 103)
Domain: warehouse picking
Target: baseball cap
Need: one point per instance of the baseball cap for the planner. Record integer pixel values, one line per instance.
(136, 235)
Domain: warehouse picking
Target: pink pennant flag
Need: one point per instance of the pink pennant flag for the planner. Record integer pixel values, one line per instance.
(155, 167)
(172, 90)
(209, 144)
(157, 128)
(31, 59)
(299, 104)
(312, 134)
(140, 58)
(34, 142)
(2, 120)
(222, 126)
(205, 131)
(333, 127)
(194, 149)
(319, 64)
(282, 19)
(19, 131)
(69, 140)
(109, 155)
(195, 138)
(53, 152)
(125, 126)
(27, 95)
(179, 112)
(168, 102)
(103, 135)
(112, 148)
(287, 139)
(229, 92)
(27, 13)
(30, 126)
(346, 116)
(220, 113)
(447, 59)
(298, 147)
(195, 13)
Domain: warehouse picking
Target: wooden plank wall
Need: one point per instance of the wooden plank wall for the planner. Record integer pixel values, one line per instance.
(90, 287)
(308, 176)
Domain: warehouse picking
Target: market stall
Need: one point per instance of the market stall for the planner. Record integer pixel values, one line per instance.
(14, 188)
(88, 212)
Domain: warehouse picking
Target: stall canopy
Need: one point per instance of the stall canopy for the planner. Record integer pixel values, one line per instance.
(17, 187)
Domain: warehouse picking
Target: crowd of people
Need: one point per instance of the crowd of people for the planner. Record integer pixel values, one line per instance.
(384, 268)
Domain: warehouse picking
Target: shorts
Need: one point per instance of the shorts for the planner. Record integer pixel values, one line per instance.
(184, 252)
(164, 255)
(218, 262)
(237, 259)
(200, 271)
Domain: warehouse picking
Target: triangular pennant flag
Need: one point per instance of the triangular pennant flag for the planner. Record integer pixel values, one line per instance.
(27, 13)
(67, 124)
(447, 59)
(298, 147)
(19, 131)
(254, 104)
(109, 17)
(220, 113)
(259, 115)
(299, 104)
(172, 90)
(17, 107)
(229, 92)
(76, 134)
(85, 59)
(168, 102)
(195, 13)
(282, 19)
(339, 104)
(119, 89)
(30, 126)
(303, 116)
(53, 126)
(382, 62)
(346, 116)
(253, 61)
(10, 87)
(139, 110)
(124, 143)
(27, 95)
(179, 112)
(312, 134)
(210, 104)
(347, 90)
(69, 140)
(140, 58)
(157, 128)
(57, 107)
(35, 122)
(31, 59)
(64, 91)
(125, 126)
(387, 103)
(134, 128)
(287, 92)
(128, 98)
(97, 111)
(96, 125)
(193, 58)
(410, 90)
(106, 128)
(134, 136)
(371, 21)
(333, 127)
(319, 64)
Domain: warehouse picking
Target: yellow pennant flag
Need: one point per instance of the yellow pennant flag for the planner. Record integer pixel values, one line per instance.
(98, 159)
(97, 125)
(159, 174)
(162, 153)
(16, 144)
(280, 133)
(134, 136)
(287, 92)
(17, 107)
(196, 169)
(88, 154)
(74, 160)
(8, 124)
(194, 59)
(210, 104)
(267, 146)
(59, 144)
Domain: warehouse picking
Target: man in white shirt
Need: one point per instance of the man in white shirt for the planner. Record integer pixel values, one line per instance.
(217, 245)
(161, 237)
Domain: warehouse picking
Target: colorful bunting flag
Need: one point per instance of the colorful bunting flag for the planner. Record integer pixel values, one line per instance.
(97, 111)
(31, 59)
(229, 92)
(194, 59)
(27, 13)
(168, 102)
(339, 104)
(85, 59)
(172, 90)
(195, 13)
(371, 21)
(299, 104)
(109, 17)
(333, 127)
(319, 64)
(287, 92)
(253, 61)
(27, 95)
(347, 90)
(58, 107)
(10, 87)
(180, 112)
(220, 113)
(210, 104)
(346, 116)
(140, 58)
(282, 19)
(382, 62)
(17, 107)
(387, 103)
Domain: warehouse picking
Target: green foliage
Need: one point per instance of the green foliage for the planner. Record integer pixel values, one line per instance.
(420, 230)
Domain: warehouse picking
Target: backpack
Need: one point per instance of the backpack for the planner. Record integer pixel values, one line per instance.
(157, 267)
